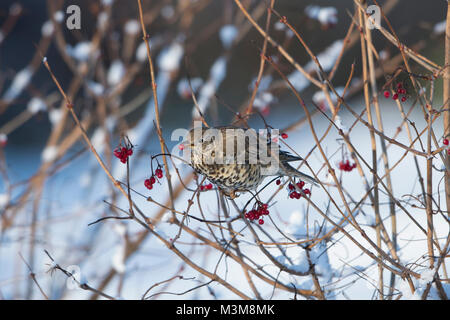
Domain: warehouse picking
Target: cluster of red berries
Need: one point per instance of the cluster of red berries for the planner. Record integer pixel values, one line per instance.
(123, 153)
(446, 143)
(284, 136)
(400, 91)
(148, 183)
(294, 194)
(346, 166)
(257, 213)
(208, 186)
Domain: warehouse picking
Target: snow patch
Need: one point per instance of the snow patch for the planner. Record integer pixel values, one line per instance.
(80, 51)
(102, 20)
(427, 276)
(49, 154)
(141, 52)
(439, 28)
(217, 74)
(169, 59)
(118, 258)
(35, 105)
(47, 28)
(115, 73)
(340, 125)
(59, 16)
(166, 217)
(327, 58)
(183, 88)
(4, 200)
(327, 16)
(132, 27)
(297, 225)
(227, 35)
(167, 11)
(298, 80)
(96, 88)
(404, 288)
(98, 139)
(55, 115)
(19, 82)
(85, 180)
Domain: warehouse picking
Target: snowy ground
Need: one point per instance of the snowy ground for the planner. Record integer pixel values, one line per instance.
(73, 198)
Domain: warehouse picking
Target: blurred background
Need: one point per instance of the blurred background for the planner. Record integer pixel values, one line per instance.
(52, 188)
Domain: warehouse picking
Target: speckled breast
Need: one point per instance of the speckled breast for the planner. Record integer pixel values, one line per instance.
(231, 176)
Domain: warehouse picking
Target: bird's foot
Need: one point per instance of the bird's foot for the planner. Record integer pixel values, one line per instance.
(230, 194)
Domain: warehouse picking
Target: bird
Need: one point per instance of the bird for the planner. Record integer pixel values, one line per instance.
(238, 159)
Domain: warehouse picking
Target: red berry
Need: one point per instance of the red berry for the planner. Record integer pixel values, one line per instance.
(152, 180)
(387, 94)
(278, 182)
(399, 85)
(295, 195)
(284, 135)
(395, 96)
(445, 142)
(346, 166)
(148, 184)
(403, 91)
(202, 187)
(291, 186)
(159, 173)
(307, 191)
(123, 153)
(209, 186)
(261, 221)
(403, 99)
(181, 147)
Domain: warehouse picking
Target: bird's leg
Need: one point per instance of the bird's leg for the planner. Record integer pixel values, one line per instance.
(225, 192)
(229, 194)
(232, 194)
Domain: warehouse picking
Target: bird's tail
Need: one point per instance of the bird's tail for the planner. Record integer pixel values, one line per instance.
(292, 172)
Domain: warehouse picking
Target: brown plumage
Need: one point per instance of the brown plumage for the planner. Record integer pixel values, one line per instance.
(237, 159)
